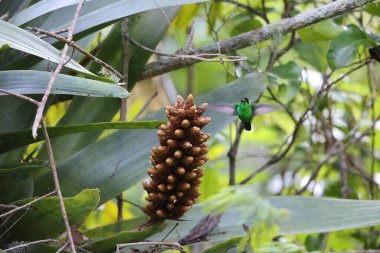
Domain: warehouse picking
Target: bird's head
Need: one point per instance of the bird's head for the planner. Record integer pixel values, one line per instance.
(244, 100)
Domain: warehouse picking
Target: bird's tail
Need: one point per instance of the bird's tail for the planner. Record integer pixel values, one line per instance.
(247, 126)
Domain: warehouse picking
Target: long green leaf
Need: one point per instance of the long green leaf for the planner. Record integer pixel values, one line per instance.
(319, 215)
(35, 82)
(44, 220)
(304, 215)
(38, 9)
(21, 138)
(94, 13)
(22, 40)
(120, 160)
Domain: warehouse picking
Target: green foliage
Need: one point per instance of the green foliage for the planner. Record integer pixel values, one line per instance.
(373, 9)
(344, 48)
(314, 54)
(315, 242)
(43, 219)
(243, 23)
(92, 150)
(322, 31)
(288, 77)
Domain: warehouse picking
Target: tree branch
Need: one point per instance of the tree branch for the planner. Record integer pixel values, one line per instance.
(254, 37)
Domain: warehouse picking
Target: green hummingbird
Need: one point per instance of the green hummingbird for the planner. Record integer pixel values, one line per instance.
(245, 111)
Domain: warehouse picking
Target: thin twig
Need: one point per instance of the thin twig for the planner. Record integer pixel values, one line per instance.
(186, 54)
(41, 106)
(169, 23)
(31, 100)
(337, 149)
(26, 205)
(343, 171)
(57, 187)
(3, 223)
(277, 53)
(265, 16)
(359, 64)
(54, 33)
(282, 105)
(222, 62)
(232, 153)
(316, 171)
(30, 243)
(80, 49)
(63, 247)
(170, 231)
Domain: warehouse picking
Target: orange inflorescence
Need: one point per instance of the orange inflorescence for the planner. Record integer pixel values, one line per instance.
(175, 173)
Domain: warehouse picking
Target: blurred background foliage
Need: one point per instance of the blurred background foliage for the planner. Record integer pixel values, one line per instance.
(322, 143)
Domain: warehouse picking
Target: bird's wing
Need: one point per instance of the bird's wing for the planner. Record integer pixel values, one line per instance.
(260, 109)
(222, 108)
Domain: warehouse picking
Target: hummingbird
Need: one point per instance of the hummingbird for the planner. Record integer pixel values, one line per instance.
(245, 111)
